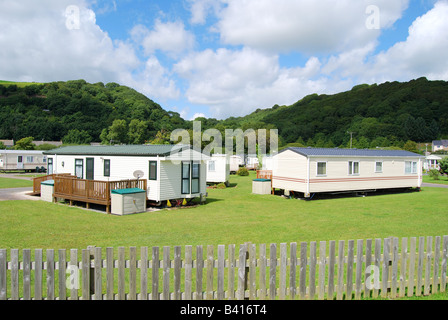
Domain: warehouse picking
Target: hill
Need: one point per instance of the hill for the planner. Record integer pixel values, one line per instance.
(384, 115)
(51, 111)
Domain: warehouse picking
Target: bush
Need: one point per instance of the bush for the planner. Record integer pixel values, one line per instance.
(433, 173)
(221, 186)
(242, 171)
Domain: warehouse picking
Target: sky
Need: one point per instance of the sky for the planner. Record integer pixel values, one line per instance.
(224, 58)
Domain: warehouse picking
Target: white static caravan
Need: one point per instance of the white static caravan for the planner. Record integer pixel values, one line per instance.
(218, 169)
(320, 170)
(235, 163)
(173, 171)
(252, 162)
(22, 160)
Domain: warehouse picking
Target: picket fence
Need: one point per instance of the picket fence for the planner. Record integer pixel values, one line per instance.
(385, 268)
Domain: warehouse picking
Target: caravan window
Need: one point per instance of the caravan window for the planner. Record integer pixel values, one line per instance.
(410, 167)
(185, 177)
(321, 168)
(378, 167)
(107, 168)
(79, 168)
(211, 165)
(152, 170)
(50, 165)
(196, 168)
(353, 167)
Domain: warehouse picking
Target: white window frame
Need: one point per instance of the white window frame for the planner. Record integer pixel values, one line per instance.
(375, 168)
(29, 159)
(413, 167)
(351, 168)
(317, 169)
(210, 169)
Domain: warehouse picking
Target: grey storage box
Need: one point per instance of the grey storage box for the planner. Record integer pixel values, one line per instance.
(128, 201)
(46, 190)
(261, 186)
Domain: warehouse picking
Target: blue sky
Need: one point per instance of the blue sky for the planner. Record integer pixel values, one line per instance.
(222, 58)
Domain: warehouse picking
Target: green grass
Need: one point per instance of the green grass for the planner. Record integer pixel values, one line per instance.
(18, 84)
(442, 180)
(231, 216)
(14, 183)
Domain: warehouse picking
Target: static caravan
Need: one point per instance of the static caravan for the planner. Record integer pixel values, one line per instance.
(252, 162)
(218, 169)
(267, 163)
(235, 162)
(22, 160)
(173, 171)
(320, 170)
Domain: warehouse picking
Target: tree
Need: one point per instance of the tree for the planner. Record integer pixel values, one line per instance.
(76, 136)
(410, 146)
(137, 131)
(25, 144)
(444, 165)
(118, 132)
(162, 137)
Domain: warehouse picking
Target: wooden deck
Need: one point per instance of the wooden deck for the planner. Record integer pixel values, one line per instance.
(70, 188)
(264, 174)
(37, 181)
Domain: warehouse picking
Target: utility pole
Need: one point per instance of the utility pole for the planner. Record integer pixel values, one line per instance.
(351, 137)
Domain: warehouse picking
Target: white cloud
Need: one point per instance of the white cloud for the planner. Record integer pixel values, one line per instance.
(39, 45)
(238, 82)
(169, 37)
(200, 8)
(197, 115)
(306, 26)
(44, 42)
(424, 53)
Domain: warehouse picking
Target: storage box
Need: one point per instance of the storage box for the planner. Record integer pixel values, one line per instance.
(46, 190)
(261, 186)
(128, 201)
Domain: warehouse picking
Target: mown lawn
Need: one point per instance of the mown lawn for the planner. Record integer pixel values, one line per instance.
(231, 216)
(14, 183)
(442, 180)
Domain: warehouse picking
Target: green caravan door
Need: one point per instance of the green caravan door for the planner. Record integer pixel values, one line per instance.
(89, 168)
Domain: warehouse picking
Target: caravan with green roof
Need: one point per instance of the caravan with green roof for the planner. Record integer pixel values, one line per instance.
(172, 171)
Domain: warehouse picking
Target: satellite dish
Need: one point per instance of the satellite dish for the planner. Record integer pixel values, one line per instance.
(138, 174)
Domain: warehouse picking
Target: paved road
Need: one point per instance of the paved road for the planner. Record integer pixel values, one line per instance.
(17, 194)
(436, 185)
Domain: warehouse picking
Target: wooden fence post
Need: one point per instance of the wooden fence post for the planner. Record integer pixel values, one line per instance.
(91, 250)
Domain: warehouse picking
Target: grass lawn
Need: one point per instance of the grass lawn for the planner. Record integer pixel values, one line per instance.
(442, 180)
(231, 216)
(14, 183)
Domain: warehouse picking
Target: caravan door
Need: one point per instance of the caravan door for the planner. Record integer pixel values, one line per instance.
(19, 162)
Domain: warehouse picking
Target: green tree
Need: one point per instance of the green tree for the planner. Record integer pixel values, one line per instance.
(444, 165)
(162, 137)
(118, 132)
(410, 146)
(76, 136)
(137, 131)
(25, 144)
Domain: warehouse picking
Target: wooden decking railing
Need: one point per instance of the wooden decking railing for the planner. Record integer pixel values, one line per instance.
(91, 191)
(70, 188)
(38, 180)
(264, 174)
